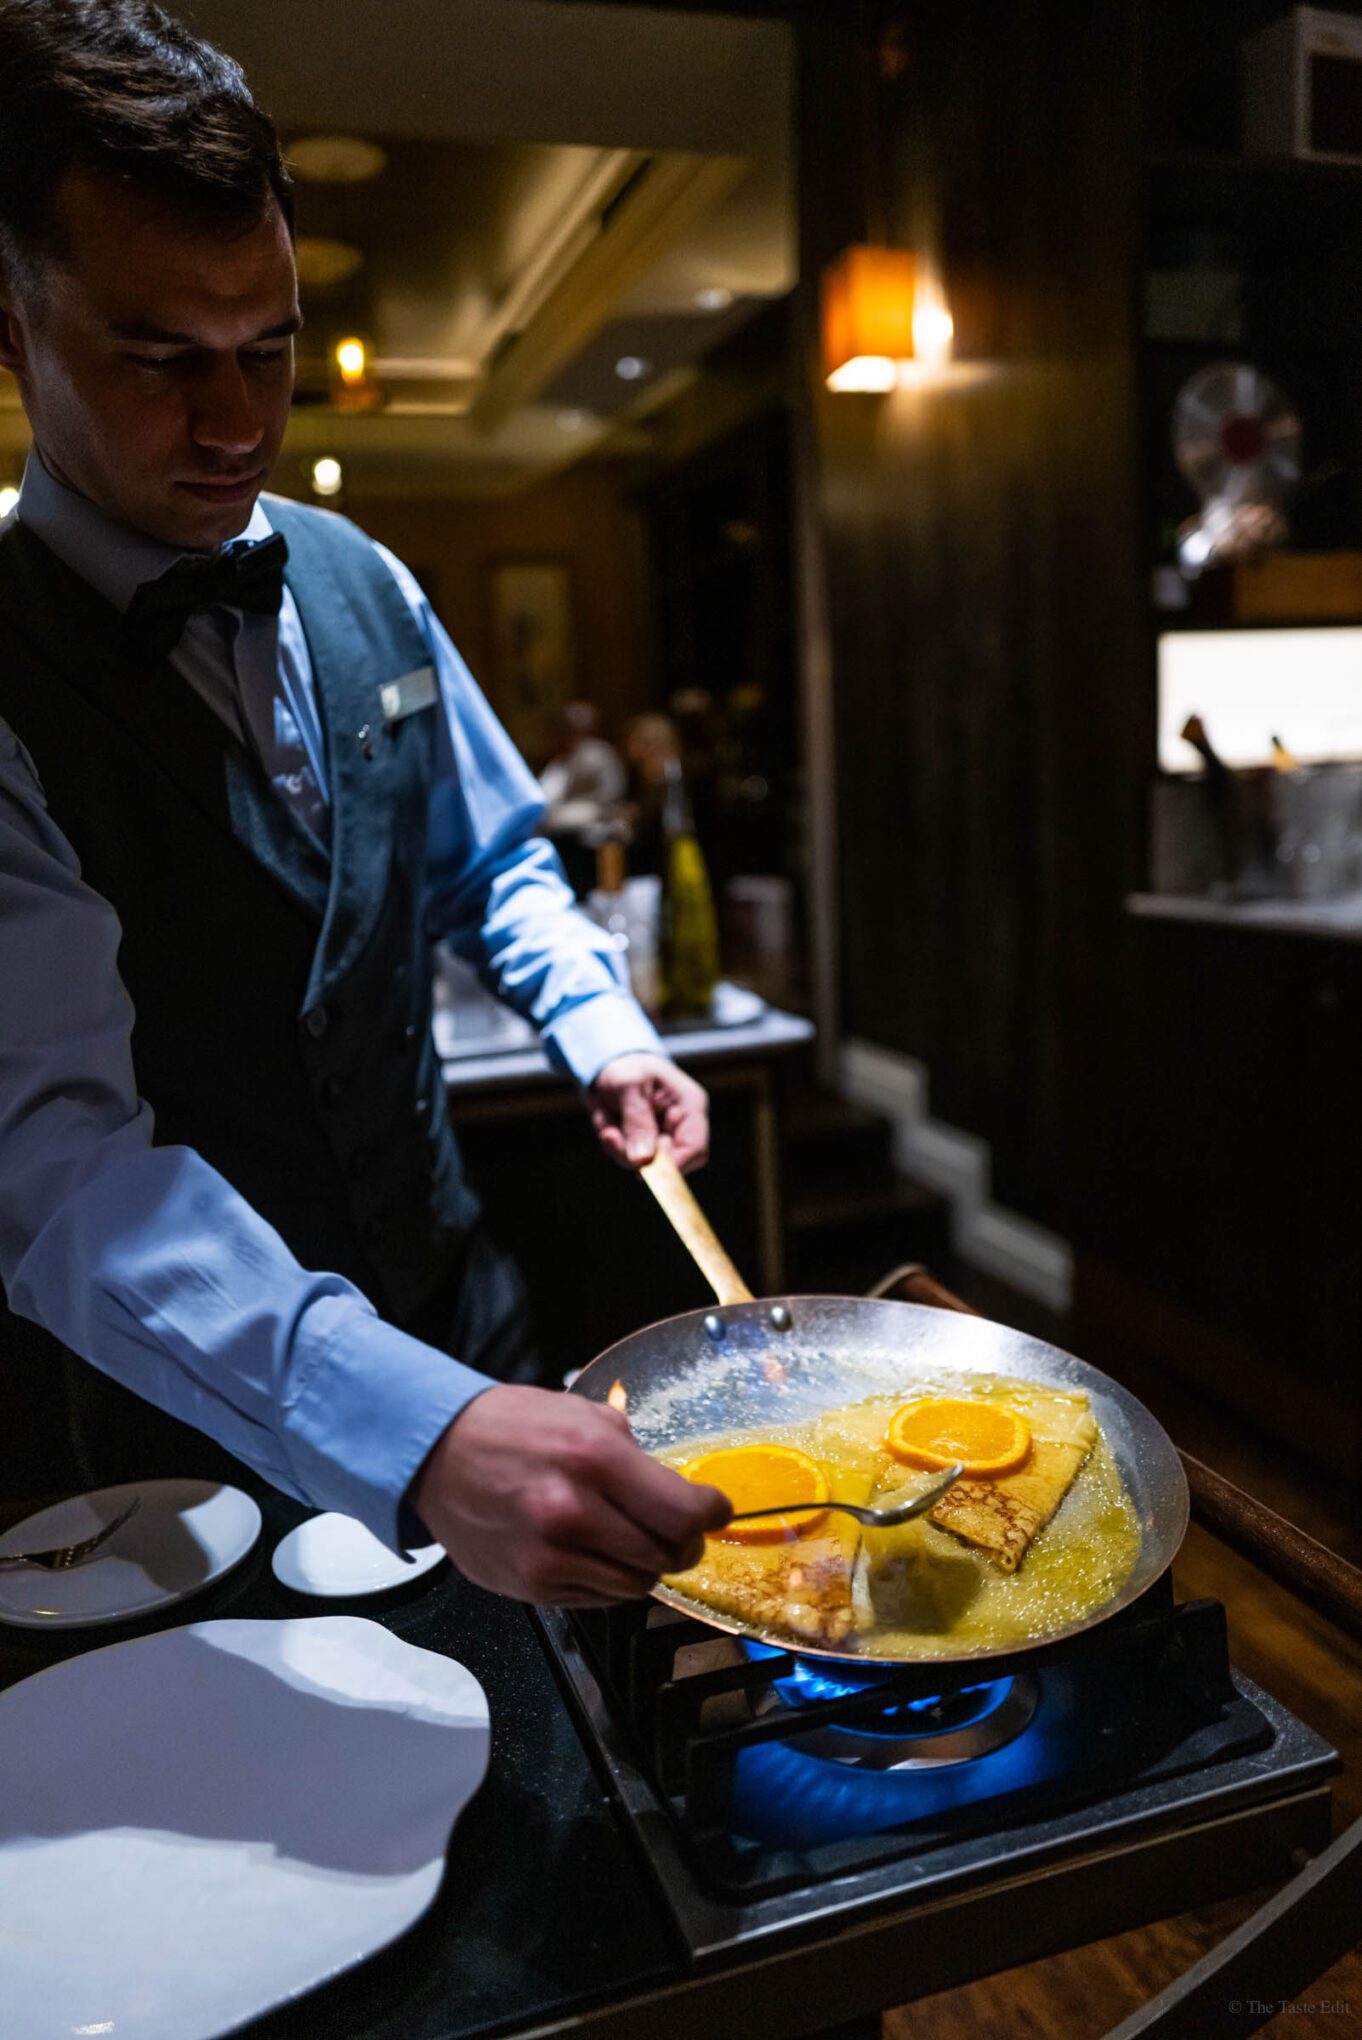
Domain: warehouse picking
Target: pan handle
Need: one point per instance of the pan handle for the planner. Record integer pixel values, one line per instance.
(694, 1230)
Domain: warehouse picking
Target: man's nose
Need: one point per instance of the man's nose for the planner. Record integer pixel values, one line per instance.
(224, 418)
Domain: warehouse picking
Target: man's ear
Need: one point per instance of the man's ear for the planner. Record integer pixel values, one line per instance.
(13, 333)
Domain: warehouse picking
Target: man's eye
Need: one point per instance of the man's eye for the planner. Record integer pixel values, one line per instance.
(265, 357)
(154, 360)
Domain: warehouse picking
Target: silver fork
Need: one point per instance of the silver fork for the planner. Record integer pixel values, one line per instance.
(874, 1519)
(64, 1556)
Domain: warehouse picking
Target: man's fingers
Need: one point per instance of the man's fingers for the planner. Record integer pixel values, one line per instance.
(612, 1144)
(684, 1117)
(575, 1578)
(689, 1137)
(609, 1533)
(673, 1508)
(638, 1123)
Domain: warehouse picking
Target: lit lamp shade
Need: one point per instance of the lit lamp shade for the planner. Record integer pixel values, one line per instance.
(868, 317)
(353, 387)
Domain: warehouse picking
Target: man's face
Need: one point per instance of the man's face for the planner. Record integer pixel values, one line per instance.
(155, 359)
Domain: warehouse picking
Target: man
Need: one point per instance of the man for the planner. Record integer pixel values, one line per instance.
(581, 783)
(236, 806)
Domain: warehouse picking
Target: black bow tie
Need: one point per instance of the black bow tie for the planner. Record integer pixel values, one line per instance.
(246, 575)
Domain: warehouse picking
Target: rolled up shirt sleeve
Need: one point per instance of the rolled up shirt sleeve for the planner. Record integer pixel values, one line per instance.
(496, 890)
(143, 1259)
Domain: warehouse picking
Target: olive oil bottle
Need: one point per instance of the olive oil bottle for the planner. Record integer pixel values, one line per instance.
(690, 930)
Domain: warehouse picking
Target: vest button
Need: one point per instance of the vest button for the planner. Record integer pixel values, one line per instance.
(420, 1111)
(334, 1088)
(316, 1020)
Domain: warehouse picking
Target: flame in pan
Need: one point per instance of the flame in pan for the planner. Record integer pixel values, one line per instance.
(618, 1397)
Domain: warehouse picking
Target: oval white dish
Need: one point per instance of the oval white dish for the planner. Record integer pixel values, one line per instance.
(199, 1825)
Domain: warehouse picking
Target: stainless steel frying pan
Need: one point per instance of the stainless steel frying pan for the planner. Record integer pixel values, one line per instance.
(783, 1360)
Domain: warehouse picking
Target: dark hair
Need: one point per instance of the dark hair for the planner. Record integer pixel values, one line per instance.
(119, 86)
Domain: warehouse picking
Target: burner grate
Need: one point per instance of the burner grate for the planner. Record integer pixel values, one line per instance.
(1151, 1780)
(767, 1761)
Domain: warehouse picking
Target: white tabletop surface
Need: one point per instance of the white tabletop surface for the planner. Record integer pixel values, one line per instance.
(467, 1068)
(1339, 919)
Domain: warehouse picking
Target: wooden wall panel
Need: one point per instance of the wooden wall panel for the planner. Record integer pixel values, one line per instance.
(982, 536)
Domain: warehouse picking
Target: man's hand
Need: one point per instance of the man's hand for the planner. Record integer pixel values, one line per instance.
(547, 1498)
(637, 1098)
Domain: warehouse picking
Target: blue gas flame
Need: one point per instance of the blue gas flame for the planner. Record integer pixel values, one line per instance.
(784, 1797)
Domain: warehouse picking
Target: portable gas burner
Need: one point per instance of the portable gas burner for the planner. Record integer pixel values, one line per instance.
(941, 1820)
(768, 1791)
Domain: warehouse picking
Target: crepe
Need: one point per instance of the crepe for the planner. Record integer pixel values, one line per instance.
(833, 1583)
(1002, 1514)
(801, 1588)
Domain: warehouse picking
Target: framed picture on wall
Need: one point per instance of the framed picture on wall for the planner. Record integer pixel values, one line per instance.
(534, 646)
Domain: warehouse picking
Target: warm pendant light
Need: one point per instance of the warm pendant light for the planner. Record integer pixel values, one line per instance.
(868, 298)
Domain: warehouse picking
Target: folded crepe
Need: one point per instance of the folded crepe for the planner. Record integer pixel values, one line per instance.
(831, 1581)
(801, 1588)
(1001, 1514)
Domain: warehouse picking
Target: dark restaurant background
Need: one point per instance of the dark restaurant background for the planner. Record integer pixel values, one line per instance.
(1055, 993)
(941, 596)
(921, 627)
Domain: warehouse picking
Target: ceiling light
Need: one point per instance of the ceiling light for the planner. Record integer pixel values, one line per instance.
(328, 476)
(714, 298)
(321, 262)
(632, 367)
(335, 159)
(8, 498)
(571, 421)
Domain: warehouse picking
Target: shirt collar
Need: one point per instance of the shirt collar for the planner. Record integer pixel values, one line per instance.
(113, 558)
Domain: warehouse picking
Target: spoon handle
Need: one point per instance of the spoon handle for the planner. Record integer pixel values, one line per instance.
(803, 1509)
(882, 1519)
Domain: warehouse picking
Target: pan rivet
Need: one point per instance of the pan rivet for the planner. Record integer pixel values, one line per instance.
(715, 1327)
(778, 1318)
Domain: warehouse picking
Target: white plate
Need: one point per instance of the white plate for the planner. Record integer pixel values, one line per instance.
(198, 1825)
(334, 1555)
(185, 1534)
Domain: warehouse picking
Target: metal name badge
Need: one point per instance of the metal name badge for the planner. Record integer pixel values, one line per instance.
(408, 693)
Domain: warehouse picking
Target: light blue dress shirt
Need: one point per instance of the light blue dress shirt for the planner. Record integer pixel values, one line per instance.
(145, 1260)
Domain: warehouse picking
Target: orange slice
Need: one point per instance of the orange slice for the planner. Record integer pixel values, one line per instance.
(941, 1430)
(759, 1476)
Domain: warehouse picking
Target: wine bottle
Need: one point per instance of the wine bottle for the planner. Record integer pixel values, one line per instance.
(690, 929)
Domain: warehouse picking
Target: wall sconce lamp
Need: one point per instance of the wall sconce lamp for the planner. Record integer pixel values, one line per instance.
(879, 314)
(352, 383)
